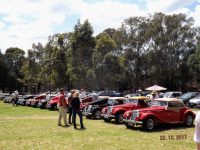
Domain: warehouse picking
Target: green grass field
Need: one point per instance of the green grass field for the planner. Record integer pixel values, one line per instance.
(35, 129)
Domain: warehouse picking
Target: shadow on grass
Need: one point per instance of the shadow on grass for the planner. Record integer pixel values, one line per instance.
(161, 128)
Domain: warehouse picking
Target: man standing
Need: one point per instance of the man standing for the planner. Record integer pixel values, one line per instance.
(16, 98)
(62, 109)
(83, 94)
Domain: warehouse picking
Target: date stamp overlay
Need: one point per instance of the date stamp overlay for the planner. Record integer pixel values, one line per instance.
(173, 137)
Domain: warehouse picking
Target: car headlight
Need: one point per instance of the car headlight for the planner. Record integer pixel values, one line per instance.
(110, 109)
(137, 113)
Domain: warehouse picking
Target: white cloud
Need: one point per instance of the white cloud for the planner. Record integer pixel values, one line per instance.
(107, 14)
(2, 25)
(24, 22)
(30, 23)
(167, 5)
(196, 16)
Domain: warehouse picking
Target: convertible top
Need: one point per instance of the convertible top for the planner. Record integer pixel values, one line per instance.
(139, 98)
(168, 99)
(116, 98)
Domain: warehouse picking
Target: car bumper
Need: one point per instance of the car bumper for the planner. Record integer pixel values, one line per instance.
(86, 113)
(48, 106)
(108, 116)
(194, 104)
(133, 122)
(39, 104)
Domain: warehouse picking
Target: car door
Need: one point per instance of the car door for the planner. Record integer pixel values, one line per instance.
(173, 112)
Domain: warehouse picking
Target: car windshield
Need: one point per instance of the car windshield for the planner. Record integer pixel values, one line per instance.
(132, 101)
(167, 94)
(198, 96)
(111, 102)
(158, 103)
(186, 95)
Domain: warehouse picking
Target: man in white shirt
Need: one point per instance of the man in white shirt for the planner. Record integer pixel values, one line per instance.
(83, 94)
(197, 131)
(16, 97)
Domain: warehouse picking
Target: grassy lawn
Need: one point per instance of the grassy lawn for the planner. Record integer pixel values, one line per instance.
(32, 128)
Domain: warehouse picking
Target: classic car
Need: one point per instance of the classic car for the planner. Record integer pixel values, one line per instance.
(161, 111)
(43, 103)
(22, 100)
(185, 97)
(52, 104)
(106, 93)
(34, 102)
(172, 94)
(117, 112)
(8, 99)
(195, 102)
(94, 109)
(86, 101)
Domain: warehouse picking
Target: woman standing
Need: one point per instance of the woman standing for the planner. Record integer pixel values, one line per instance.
(75, 103)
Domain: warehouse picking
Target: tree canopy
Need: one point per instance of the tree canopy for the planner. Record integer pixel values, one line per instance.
(156, 49)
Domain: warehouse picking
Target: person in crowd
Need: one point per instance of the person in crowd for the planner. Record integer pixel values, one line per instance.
(16, 98)
(139, 92)
(62, 109)
(70, 106)
(75, 103)
(197, 131)
(83, 94)
(154, 95)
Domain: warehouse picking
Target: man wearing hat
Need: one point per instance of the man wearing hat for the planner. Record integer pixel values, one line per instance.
(154, 95)
(62, 108)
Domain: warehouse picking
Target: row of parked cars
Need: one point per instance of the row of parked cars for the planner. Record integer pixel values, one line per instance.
(140, 110)
(132, 110)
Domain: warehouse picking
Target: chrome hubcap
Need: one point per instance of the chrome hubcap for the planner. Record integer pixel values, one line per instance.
(189, 120)
(150, 124)
(98, 114)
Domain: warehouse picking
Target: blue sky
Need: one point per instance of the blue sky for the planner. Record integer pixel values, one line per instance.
(34, 20)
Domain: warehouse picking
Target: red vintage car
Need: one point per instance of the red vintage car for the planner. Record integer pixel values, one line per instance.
(35, 101)
(117, 112)
(52, 104)
(161, 111)
(86, 101)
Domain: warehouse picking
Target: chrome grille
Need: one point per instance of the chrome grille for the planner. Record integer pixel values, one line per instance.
(89, 108)
(134, 115)
(109, 110)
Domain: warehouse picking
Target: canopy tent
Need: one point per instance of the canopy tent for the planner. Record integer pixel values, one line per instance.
(155, 88)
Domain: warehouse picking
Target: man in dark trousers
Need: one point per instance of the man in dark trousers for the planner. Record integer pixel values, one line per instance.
(70, 106)
(75, 103)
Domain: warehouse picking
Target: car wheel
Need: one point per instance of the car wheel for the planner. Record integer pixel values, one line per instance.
(97, 114)
(88, 117)
(187, 104)
(52, 107)
(128, 125)
(189, 120)
(106, 119)
(119, 118)
(149, 124)
(37, 105)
